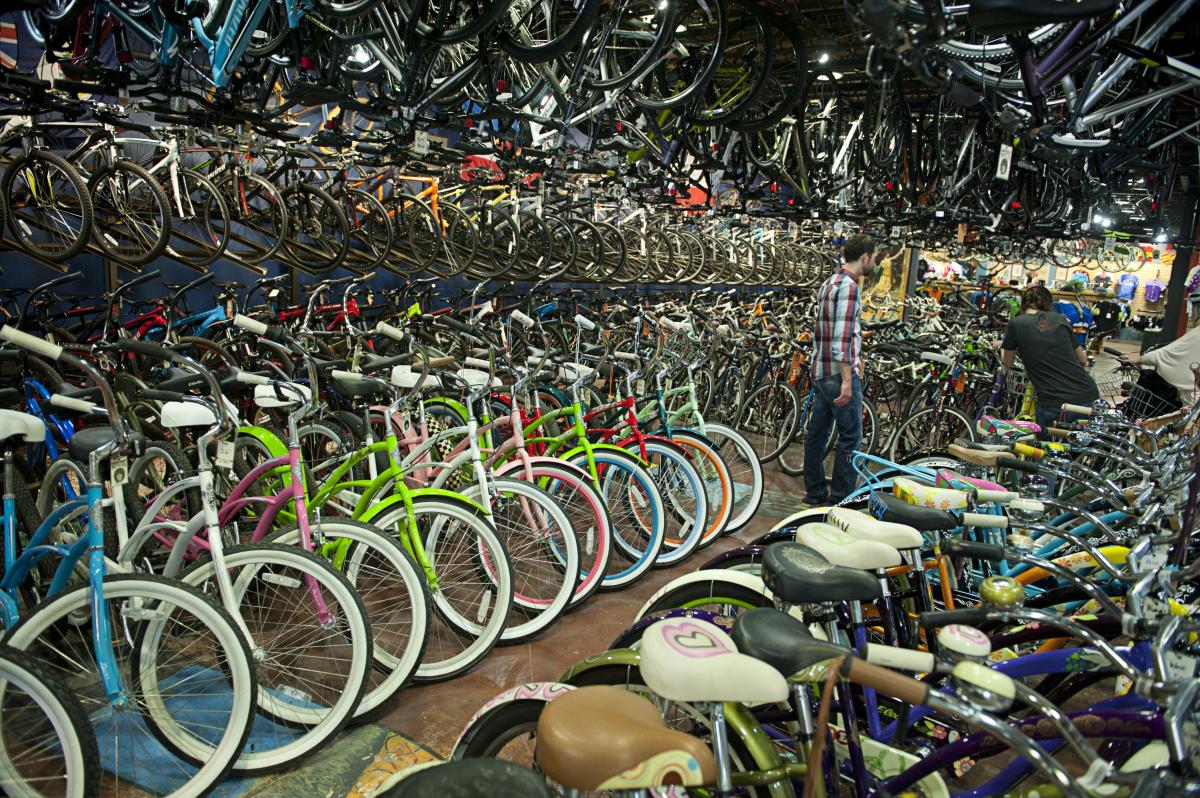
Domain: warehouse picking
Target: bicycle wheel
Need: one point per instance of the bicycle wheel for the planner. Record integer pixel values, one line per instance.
(460, 244)
(745, 473)
(585, 509)
(768, 419)
(635, 508)
(472, 583)
(132, 213)
(312, 670)
(371, 234)
(727, 395)
(392, 590)
(685, 501)
(187, 676)
(201, 224)
(929, 429)
(706, 458)
(47, 746)
(47, 205)
(542, 550)
(542, 31)
(318, 231)
(259, 217)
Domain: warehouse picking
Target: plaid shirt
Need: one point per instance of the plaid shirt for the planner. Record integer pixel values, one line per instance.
(838, 334)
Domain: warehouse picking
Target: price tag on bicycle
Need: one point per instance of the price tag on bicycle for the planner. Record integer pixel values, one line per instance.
(225, 455)
(421, 143)
(1110, 245)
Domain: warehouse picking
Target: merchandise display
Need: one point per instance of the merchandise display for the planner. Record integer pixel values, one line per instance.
(514, 398)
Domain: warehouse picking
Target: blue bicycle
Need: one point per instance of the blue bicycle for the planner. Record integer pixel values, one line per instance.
(163, 674)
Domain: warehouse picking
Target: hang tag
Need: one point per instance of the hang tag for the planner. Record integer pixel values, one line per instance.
(421, 143)
(119, 470)
(837, 227)
(1004, 162)
(897, 232)
(225, 455)
(639, 387)
(1110, 245)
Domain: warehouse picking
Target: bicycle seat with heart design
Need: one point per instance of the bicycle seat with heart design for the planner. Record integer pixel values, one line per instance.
(688, 659)
(605, 738)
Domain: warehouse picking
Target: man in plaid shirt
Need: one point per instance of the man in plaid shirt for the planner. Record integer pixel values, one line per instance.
(836, 374)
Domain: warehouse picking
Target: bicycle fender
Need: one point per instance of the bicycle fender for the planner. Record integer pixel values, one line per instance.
(619, 656)
(806, 516)
(739, 578)
(530, 691)
(688, 433)
(456, 406)
(558, 395)
(267, 438)
(516, 465)
(377, 508)
(607, 447)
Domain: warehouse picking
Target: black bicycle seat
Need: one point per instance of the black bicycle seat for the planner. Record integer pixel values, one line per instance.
(1014, 16)
(800, 575)
(887, 507)
(781, 640)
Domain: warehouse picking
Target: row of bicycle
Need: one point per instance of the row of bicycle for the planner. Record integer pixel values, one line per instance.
(1048, 640)
(225, 564)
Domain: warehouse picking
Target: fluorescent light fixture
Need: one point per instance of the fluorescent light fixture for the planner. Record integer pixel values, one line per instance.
(824, 58)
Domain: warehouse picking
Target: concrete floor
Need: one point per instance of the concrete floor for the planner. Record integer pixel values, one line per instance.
(435, 714)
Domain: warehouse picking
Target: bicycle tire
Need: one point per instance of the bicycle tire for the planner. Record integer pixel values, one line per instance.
(684, 497)
(745, 472)
(560, 43)
(258, 217)
(201, 224)
(317, 216)
(433, 513)
(114, 209)
(666, 84)
(398, 640)
(300, 725)
(59, 729)
(757, 418)
(21, 230)
(47, 631)
(936, 434)
(483, 15)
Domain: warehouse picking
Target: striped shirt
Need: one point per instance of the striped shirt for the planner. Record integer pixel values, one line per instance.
(838, 334)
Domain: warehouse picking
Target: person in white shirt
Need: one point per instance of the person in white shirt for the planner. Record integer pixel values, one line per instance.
(1173, 362)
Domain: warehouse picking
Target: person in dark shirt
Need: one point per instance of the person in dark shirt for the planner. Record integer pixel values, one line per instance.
(1053, 359)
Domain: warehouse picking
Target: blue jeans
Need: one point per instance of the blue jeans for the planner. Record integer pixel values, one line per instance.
(821, 419)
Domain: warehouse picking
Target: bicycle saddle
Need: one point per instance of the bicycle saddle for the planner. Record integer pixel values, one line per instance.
(1014, 16)
(800, 575)
(914, 492)
(688, 659)
(606, 738)
(403, 376)
(886, 507)
(783, 642)
(353, 384)
(981, 457)
(471, 778)
(946, 478)
(841, 548)
(281, 395)
(29, 428)
(990, 425)
(861, 526)
(86, 441)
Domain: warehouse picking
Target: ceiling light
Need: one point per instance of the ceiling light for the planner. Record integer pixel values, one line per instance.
(837, 75)
(1161, 238)
(662, 6)
(1106, 221)
(824, 58)
(1097, 218)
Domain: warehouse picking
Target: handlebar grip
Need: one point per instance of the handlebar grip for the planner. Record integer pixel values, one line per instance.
(995, 496)
(1058, 432)
(972, 616)
(158, 395)
(984, 521)
(477, 363)
(39, 346)
(455, 324)
(1078, 410)
(250, 325)
(1029, 451)
(970, 548)
(1113, 351)
(886, 681)
(249, 378)
(522, 319)
(436, 362)
(901, 659)
(71, 403)
(1027, 506)
(584, 322)
(1017, 465)
(628, 356)
(389, 331)
(145, 348)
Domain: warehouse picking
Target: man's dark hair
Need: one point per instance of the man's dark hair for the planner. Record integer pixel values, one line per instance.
(858, 245)
(1037, 298)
